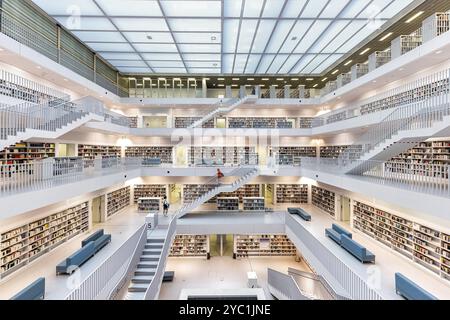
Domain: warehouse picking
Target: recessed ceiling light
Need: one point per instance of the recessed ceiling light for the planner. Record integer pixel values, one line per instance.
(234, 85)
(221, 85)
(386, 36)
(348, 62)
(149, 37)
(213, 38)
(439, 52)
(364, 51)
(324, 79)
(38, 67)
(294, 79)
(250, 79)
(235, 79)
(401, 69)
(335, 71)
(315, 85)
(206, 79)
(294, 38)
(265, 79)
(418, 14)
(280, 79)
(309, 79)
(221, 79)
(163, 79)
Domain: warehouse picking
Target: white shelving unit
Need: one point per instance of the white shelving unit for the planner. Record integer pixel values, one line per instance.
(149, 204)
(292, 155)
(117, 200)
(27, 242)
(324, 199)
(263, 245)
(292, 193)
(190, 246)
(191, 192)
(254, 204)
(91, 152)
(163, 153)
(149, 190)
(184, 122)
(228, 203)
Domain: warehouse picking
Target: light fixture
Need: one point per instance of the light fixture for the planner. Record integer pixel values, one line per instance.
(309, 79)
(348, 62)
(294, 79)
(213, 38)
(149, 37)
(418, 14)
(207, 79)
(386, 36)
(324, 79)
(235, 79)
(335, 71)
(294, 38)
(221, 85)
(438, 52)
(364, 51)
(265, 79)
(221, 79)
(234, 85)
(315, 85)
(280, 79)
(250, 79)
(37, 67)
(162, 79)
(65, 79)
(176, 79)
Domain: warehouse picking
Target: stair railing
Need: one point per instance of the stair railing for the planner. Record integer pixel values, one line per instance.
(218, 107)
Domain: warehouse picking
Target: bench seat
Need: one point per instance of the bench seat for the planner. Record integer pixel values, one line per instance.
(409, 290)
(69, 265)
(357, 250)
(35, 291)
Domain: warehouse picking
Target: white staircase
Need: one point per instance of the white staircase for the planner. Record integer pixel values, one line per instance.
(404, 128)
(219, 111)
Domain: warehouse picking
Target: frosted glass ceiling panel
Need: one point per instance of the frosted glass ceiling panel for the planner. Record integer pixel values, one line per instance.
(161, 56)
(354, 9)
(333, 31)
(302, 63)
(199, 48)
(290, 62)
(248, 28)
(334, 8)
(130, 8)
(232, 8)
(374, 9)
(134, 70)
(141, 24)
(317, 29)
(296, 35)
(252, 62)
(202, 64)
(167, 64)
(277, 63)
(120, 56)
(144, 37)
(327, 63)
(343, 36)
(279, 35)
(253, 8)
(239, 63)
(153, 47)
(95, 36)
(230, 33)
(262, 36)
(201, 57)
(187, 8)
(314, 63)
(69, 7)
(293, 8)
(204, 70)
(170, 70)
(86, 23)
(119, 47)
(273, 8)
(356, 39)
(195, 25)
(394, 8)
(227, 63)
(128, 63)
(265, 62)
(313, 8)
(214, 38)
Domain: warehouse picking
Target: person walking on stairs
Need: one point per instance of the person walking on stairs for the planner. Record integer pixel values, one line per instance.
(166, 206)
(220, 175)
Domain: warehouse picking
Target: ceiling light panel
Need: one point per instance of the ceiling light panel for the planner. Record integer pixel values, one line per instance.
(170, 70)
(280, 33)
(93, 36)
(328, 35)
(149, 37)
(69, 7)
(318, 28)
(161, 56)
(252, 9)
(187, 8)
(293, 8)
(120, 56)
(343, 36)
(353, 9)
(130, 8)
(166, 64)
(262, 35)
(86, 23)
(333, 9)
(277, 63)
(289, 63)
(205, 70)
(209, 25)
(273, 8)
(230, 35)
(141, 24)
(302, 63)
(252, 62)
(199, 48)
(128, 63)
(299, 30)
(247, 33)
(315, 63)
(394, 8)
(190, 37)
(232, 8)
(374, 9)
(239, 63)
(314, 8)
(201, 57)
(134, 70)
(203, 64)
(325, 64)
(227, 63)
(111, 47)
(153, 47)
(266, 60)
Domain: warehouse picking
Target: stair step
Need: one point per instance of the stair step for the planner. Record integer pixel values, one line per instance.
(153, 246)
(134, 296)
(155, 240)
(147, 265)
(137, 287)
(150, 258)
(145, 271)
(142, 279)
(151, 253)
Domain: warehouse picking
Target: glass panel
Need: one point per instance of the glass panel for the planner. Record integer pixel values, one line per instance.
(204, 70)
(279, 35)
(252, 62)
(239, 63)
(253, 8)
(127, 63)
(166, 64)
(262, 36)
(141, 24)
(248, 28)
(200, 48)
(273, 8)
(131, 8)
(354, 9)
(170, 70)
(203, 57)
(290, 62)
(324, 65)
(314, 63)
(203, 64)
(197, 37)
(277, 63)
(230, 30)
(302, 63)
(120, 56)
(153, 47)
(86, 23)
(69, 7)
(328, 35)
(334, 8)
(195, 25)
(120, 47)
(134, 70)
(296, 35)
(227, 63)
(95, 36)
(313, 8)
(317, 29)
(232, 8)
(188, 8)
(374, 8)
(293, 8)
(148, 37)
(161, 56)
(265, 62)
(343, 36)
(394, 8)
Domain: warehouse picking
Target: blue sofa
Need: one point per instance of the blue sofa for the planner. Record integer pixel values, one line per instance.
(357, 250)
(409, 290)
(336, 232)
(99, 238)
(151, 162)
(301, 213)
(73, 262)
(35, 291)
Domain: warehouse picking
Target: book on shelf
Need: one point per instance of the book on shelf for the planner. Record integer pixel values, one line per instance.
(254, 204)
(291, 193)
(117, 200)
(149, 204)
(324, 199)
(228, 203)
(263, 245)
(190, 246)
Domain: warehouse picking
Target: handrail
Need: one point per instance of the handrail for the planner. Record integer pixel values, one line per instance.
(285, 285)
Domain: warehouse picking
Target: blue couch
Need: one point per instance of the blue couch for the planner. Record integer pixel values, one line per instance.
(73, 262)
(357, 250)
(151, 162)
(409, 290)
(35, 291)
(301, 213)
(336, 232)
(99, 238)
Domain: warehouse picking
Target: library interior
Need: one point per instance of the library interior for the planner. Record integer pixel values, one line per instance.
(224, 149)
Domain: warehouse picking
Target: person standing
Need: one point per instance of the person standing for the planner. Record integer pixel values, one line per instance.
(166, 206)
(220, 175)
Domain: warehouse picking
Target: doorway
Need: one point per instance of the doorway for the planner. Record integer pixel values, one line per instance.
(345, 209)
(221, 245)
(98, 210)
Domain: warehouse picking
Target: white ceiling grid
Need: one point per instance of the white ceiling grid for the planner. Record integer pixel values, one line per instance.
(222, 36)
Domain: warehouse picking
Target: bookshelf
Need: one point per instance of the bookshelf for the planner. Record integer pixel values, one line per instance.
(423, 245)
(247, 190)
(91, 152)
(163, 153)
(190, 246)
(292, 155)
(222, 155)
(291, 193)
(305, 122)
(324, 199)
(117, 200)
(263, 245)
(184, 122)
(260, 122)
(254, 204)
(149, 204)
(26, 152)
(133, 122)
(333, 152)
(192, 192)
(27, 242)
(149, 190)
(228, 203)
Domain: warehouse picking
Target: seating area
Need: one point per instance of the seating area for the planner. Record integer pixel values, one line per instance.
(89, 247)
(151, 162)
(344, 239)
(168, 276)
(301, 213)
(409, 290)
(35, 291)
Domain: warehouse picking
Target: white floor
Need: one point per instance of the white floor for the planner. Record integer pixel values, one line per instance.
(121, 226)
(222, 273)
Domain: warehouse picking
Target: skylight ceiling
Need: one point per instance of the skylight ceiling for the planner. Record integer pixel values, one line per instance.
(222, 36)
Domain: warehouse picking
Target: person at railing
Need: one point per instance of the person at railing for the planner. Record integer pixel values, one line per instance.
(220, 175)
(166, 206)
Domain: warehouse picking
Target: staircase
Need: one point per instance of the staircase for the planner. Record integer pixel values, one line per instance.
(219, 111)
(403, 128)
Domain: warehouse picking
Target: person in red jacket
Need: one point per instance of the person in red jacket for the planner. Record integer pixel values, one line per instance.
(219, 176)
